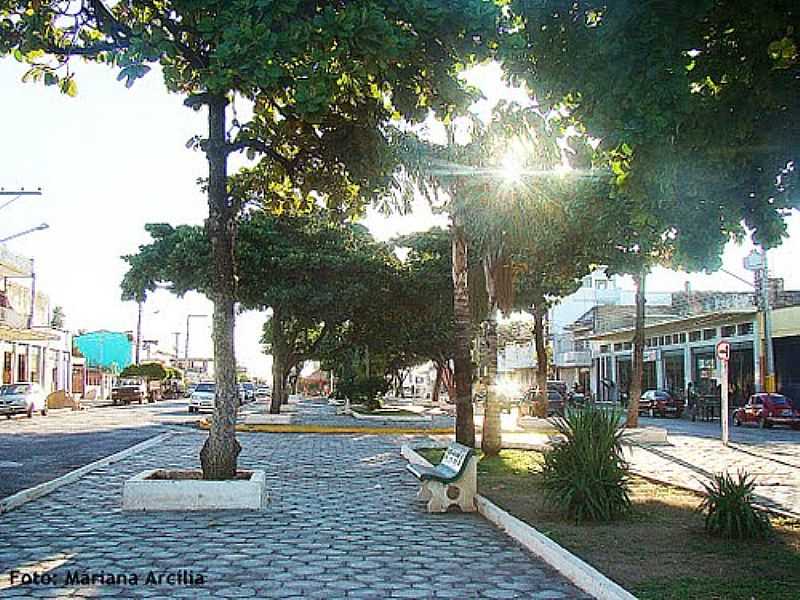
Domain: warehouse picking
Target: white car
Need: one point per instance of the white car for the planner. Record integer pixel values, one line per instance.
(263, 392)
(22, 399)
(202, 398)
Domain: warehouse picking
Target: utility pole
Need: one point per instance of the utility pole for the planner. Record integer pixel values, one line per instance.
(757, 262)
(17, 195)
(186, 340)
(177, 335)
(139, 332)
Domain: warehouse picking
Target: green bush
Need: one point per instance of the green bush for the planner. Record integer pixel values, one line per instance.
(362, 390)
(586, 475)
(728, 508)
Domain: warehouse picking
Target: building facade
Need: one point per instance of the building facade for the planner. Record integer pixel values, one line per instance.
(30, 350)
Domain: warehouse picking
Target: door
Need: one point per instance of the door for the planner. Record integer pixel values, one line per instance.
(7, 362)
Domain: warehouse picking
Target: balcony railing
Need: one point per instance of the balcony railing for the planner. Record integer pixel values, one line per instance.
(12, 264)
(574, 358)
(13, 319)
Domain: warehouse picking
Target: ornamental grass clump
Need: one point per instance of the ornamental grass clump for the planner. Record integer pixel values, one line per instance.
(728, 508)
(586, 475)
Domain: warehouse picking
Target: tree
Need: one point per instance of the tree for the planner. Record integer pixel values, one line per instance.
(696, 132)
(322, 78)
(322, 274)
(58, 318)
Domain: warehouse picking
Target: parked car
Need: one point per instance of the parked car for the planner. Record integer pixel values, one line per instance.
(202, 397)
(263, 392)
(128, 390)
(555, 400)
(189, 390)
(249, 391)
(767, 410)
(660, 403)
(22, 399)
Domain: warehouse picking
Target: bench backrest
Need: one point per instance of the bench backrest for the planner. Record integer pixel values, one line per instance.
(455, 457)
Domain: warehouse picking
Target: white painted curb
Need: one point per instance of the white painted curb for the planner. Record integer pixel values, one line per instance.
(45, 488)
(580, 573)
(392, 418)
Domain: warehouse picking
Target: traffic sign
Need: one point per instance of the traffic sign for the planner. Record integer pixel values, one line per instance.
(724, 351)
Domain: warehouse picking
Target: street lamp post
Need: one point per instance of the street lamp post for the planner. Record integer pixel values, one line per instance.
(26, 232)
(186, 341)
(757, 262)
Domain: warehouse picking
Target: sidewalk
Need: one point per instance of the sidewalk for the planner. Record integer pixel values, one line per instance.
(342, 523)
(687, 461)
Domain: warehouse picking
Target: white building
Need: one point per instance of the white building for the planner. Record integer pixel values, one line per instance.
(30, 350)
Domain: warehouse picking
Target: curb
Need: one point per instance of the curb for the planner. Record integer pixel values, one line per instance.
(580, 573)
(37, 491)
(391, 419)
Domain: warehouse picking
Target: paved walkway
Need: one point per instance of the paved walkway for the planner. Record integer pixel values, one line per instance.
(317, 411)
(343, 523)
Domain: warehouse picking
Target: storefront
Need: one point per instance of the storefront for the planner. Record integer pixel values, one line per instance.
(680, 351)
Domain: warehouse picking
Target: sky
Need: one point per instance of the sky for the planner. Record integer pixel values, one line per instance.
(113, 159)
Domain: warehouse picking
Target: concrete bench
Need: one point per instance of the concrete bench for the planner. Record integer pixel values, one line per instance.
(454, 481)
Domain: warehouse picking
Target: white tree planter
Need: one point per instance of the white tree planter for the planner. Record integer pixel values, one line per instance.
(163, 489)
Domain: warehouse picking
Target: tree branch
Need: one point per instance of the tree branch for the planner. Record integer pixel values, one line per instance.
(263, 148)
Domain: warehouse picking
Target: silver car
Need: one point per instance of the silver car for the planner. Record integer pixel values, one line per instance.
(202, 398)
(22, 399)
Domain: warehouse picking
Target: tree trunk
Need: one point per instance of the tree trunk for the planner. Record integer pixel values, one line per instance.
(436, 384)
(280, 357)
(462, 362)
(540, 406)
(221, 449)
(138, 356)
(491, 439)
(637, 360)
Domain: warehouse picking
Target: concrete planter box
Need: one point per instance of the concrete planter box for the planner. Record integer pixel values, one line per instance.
(645, 435)
(268, 419)
(391, 418)
(535, 424)
(162, 489)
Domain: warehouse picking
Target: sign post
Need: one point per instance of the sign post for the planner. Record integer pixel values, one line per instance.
(724, 355)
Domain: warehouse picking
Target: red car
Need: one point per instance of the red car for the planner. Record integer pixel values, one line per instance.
(767, 410)
(660, 403)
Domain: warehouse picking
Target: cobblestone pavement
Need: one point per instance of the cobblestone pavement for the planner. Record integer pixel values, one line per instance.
(317, 411)
(342, 523)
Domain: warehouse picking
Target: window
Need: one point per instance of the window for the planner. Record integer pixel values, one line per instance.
(709, 334)
(601, 284)
(676, 338)
(665, 340)
(627, 346)
(604, 348)
(728, 331)
(682, 338)
(694, 336)
(745, 328)
(617, 346)
(648, 342)
(586, 281)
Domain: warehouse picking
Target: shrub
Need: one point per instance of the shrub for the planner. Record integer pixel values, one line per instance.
(586, 475)
(728, 508)
(361, 390)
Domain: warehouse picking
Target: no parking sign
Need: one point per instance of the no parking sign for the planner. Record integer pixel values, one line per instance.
(724, 351)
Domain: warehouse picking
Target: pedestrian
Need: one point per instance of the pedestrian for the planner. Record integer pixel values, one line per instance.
(691, 400)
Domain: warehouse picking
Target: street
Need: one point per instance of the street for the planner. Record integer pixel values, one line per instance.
(36, 450)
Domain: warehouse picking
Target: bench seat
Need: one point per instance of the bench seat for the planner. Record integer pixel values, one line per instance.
(451, 482)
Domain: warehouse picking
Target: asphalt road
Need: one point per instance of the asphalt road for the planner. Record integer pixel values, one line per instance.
(39, 449)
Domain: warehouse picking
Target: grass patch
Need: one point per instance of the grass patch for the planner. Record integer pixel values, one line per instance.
(659, 551)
